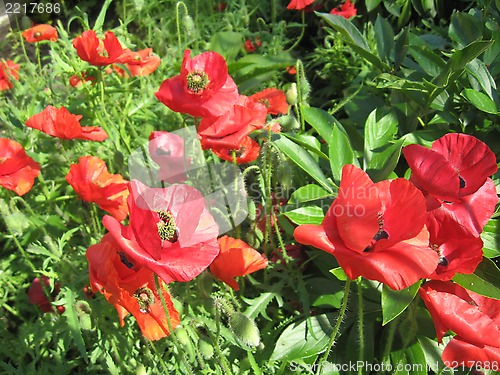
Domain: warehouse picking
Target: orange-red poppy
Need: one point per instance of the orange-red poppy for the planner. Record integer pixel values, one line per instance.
(40, 32)
(37, 294)
(346, 10)
(299, 4)
(248, 151)
(140, 63)
(8, 70)
(60, 123)
(93, 183)
(203, 88)
(236, 258)
(100, 52)
(130, 289)
(78, 80)
(17, 170)
(274, 99)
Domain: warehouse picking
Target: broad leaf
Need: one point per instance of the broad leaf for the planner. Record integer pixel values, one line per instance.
(303, 159)
(227, 43)
(322, 122)
(378, 132)
(491, 239)
(485, 280)
(395, 302)
(308, 193)
(306, 215)
(480, 101)
(297, 342)
(385, 37)
(340, 153)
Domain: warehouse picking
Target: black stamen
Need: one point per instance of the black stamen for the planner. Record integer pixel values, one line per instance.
(125, 261)
(462, 182)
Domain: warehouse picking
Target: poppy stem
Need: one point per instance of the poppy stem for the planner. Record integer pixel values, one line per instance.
(222, 358)
(302, 31)
(361, 330)
(170, 328)
(336, 329)
(38, 58)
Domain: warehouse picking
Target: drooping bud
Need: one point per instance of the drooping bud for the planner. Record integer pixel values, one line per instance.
(244, 329)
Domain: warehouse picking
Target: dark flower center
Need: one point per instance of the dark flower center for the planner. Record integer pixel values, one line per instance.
(197, 81)
(381, 234)
(265, 101)
(37, 34)
(145, 298)
(166, 227)
(443, 261)
(125, 260)
(462, 182)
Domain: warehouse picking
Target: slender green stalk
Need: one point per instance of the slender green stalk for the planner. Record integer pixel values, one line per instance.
(388, 344)
(336, 329)
(178, 24)
(38, 58)
(361, 329)
(170, 328)
(222, 359)
(302, 31)
(160, 359)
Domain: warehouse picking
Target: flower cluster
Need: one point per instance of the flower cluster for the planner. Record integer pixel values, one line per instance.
(205, 89)
(399, 232)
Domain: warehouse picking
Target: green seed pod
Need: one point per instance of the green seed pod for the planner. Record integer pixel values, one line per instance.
(182, 336)
(188, 23)
(289, 123)
(244, 329)
(291, 94)
(141, 370)
(205, 348)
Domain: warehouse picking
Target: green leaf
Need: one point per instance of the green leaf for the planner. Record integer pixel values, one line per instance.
(480, 72)
(309, 142)
(480, 101)
(491, 239)
(306, 215)
(339, 273)
(459, 59)
(378, 132)
(308, 193)
(395, 302)
(464, 28)
(321, 121)
(251, 69)
(401, 46)
(297, 342)
(385, 37)
(340, 153)
(227, 43)
(302, 158)
(415, 355)
(100, 18)
(372, 4)
(73, 322)
(384, 161)
(257, 306)
(431, 63)
(485, 280)
(347, 29)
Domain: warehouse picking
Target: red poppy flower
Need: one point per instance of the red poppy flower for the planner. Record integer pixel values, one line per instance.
(167, 150)
(204, 87)
(77, 81)
(229, 130)
(346, 10)
(454, 176)
(8, 70)
(375, 230)
(40, 32)
(248, 151)
(236, 258)
(93, 183)
(100, 52)
(17, 170)
(459, 251)
(474, 318)
(60, 123)
(274, 100)
(130, 289)
(171, 231)
(140, 63)
(220, 7)
(291, 70)
(299, 4)
(37, 296)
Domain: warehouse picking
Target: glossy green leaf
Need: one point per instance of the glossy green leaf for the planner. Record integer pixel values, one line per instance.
(491, 239)
(401, 46)
(309, 142)
(298, 342)
(339, 273)
(340, 153)
(306, 215)
(485, 280)
(102, 14)
(384, 36)
(430, 62)
(480, 101)
(372, 4)
(379, 131)
(321, 121)
(384, 161)
(464, 28)
(459, 59)
(395, 302)
(308, 193)
(302, 158)
(480, 72)
(346, 28)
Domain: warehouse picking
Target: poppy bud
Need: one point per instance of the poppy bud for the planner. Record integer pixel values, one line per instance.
(244, 329)
(205, 348)
(291, 94)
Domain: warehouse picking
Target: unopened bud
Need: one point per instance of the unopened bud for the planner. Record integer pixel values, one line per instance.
(291, 94)
(244, 329)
